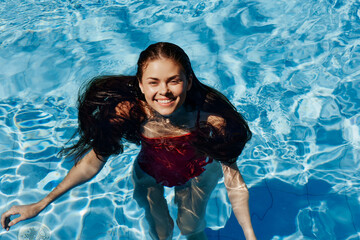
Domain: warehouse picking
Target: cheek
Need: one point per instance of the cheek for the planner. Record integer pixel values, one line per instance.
(179, 90)
(149, 92)
(183, 92)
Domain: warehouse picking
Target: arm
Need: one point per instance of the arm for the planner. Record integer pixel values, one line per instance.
(235, 185)
(239, 198)
(86, 169)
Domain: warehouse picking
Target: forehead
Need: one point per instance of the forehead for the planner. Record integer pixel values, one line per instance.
(162, 65)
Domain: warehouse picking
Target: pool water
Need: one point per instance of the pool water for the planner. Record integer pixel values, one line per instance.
(292, 68)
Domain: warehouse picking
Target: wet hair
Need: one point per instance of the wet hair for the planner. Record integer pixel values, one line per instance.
(224, 144)
(108, 111)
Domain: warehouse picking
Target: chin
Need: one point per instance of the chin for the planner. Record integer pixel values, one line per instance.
(165, 112)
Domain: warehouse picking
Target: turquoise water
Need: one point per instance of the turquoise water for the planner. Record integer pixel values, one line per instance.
(291, 67)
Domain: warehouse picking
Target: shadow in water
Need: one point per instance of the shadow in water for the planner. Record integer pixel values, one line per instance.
(283, 211)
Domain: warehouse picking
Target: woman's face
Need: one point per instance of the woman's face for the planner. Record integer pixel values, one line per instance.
(164, 85)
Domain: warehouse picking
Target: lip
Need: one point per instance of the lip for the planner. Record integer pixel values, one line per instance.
(164, 102)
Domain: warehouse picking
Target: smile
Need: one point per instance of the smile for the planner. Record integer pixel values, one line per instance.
(164, 101)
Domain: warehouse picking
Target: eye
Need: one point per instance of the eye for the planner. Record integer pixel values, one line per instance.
(175, 81)
(152, 83)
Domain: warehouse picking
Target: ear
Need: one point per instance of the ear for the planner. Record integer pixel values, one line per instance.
(190, 80)
(141, 87)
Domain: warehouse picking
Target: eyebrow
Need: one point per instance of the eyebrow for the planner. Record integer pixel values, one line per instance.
(151, 78)
(170, 78)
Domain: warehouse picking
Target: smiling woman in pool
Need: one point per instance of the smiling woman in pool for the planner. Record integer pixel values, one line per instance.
(190, 135)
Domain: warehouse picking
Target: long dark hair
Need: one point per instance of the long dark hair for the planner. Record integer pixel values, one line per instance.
(224, 144)
(101, 126)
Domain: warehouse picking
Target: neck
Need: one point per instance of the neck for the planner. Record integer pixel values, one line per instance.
(178, 117)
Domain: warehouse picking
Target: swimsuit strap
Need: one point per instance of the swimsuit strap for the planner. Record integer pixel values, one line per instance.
(198, 120)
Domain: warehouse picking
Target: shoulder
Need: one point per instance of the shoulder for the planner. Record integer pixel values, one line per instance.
(212, 119)
(128, 110)
(122, 109)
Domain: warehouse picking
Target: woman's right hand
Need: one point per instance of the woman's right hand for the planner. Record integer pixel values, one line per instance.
(25, 211)
(86, 169)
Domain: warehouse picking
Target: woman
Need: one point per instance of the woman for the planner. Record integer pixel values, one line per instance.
(188, 131)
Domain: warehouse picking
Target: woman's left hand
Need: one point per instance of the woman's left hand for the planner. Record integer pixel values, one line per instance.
(239, 198)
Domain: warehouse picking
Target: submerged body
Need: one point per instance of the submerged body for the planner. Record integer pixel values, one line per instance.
(167, 142)
(169, 159)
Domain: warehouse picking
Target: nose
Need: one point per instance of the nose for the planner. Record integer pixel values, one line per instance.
(163, 90)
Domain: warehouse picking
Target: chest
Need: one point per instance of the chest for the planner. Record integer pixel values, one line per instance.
(160, 127)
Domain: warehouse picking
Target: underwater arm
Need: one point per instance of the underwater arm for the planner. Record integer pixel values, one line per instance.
(239, 198)
(82, 172)
(234, 182)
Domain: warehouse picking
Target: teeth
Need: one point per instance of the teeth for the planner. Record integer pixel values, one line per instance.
(164, 101)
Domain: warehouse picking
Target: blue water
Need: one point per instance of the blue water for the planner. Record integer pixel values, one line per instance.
(292, 68)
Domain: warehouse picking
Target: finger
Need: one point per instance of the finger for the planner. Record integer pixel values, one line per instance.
(11, 211)
(3, 220)
(7, 221)
(4, 216)
(15, 221)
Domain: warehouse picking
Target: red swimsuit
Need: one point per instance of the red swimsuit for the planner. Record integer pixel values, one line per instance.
(172, 161)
